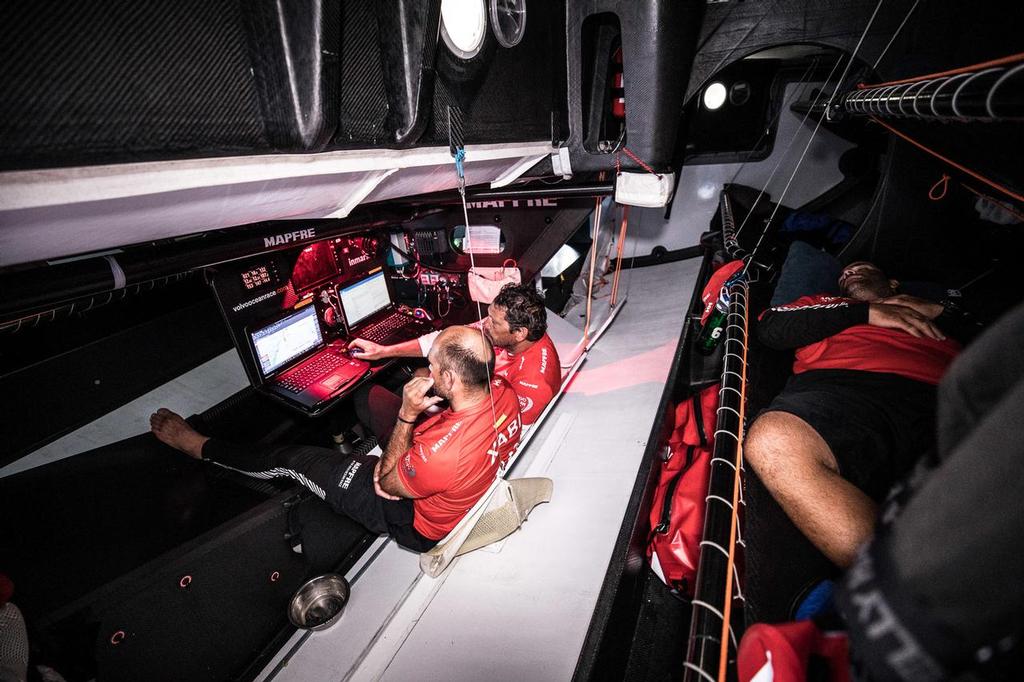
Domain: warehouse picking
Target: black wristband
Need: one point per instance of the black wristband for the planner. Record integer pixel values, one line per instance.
(405, 421)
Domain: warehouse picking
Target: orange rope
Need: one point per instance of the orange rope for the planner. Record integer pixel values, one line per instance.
(1006, 207)
(593, 263)
(730, 566)
(618, 256)
(952, 72)
(943, 184)
(977, 176)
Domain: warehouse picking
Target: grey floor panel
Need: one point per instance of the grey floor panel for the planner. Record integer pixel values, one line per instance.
(192, 392)
(531, 603)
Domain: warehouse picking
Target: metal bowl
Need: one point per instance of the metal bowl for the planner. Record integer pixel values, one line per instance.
(318, 604)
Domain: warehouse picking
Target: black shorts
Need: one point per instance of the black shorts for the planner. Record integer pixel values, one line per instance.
(877, 425)
(344, 482)
(351, 492)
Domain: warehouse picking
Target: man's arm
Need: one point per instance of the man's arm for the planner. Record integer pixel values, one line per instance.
(414, 402)
(386, 479)
(375, 351)
(414, 348)
(947, 315)
(808, 320)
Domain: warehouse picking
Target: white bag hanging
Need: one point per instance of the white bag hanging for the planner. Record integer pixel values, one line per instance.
(485, 283)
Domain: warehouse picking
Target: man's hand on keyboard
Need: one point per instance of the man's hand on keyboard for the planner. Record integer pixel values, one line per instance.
(366, 350)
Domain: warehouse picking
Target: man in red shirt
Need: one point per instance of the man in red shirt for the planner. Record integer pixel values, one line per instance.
(859, 410)
(432, 470)
(516, 324)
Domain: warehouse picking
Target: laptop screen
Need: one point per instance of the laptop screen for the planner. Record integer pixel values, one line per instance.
(288, 338)
(364, 298)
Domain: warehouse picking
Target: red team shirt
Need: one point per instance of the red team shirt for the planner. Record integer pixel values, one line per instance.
(873, 349)
(535, 375)
(455, 456)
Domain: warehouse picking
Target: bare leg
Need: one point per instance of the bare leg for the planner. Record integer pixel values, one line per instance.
(171, 429)
(798, 468)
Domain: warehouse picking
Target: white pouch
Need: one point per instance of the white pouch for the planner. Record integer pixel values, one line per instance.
(485, 283)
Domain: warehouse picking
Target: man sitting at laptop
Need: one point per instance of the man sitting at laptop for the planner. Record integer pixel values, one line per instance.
(432, 471)
(516, 324)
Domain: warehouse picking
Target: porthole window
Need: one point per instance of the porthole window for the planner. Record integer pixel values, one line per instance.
(714, 96)
(463, 26)
(739, 93)
(508, 21)
(483, 239)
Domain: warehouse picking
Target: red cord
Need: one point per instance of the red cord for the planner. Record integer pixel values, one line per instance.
(638, 161)
(1006, 207)
(952, 72)
(977, 176)
(944, 184)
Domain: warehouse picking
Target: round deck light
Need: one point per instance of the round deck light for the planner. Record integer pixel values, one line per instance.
(714, 95)
(463, 25)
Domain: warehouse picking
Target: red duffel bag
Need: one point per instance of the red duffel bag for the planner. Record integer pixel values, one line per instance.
(677, 513)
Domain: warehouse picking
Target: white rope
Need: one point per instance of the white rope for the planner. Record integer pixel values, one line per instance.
(691, 666)
(721, 616)
(739, 42)
(899, 28)
(479, 311)
(814, 133)
(804, 81)
(789, 145)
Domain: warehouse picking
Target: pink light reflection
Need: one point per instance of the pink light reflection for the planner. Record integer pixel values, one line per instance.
(633, 370)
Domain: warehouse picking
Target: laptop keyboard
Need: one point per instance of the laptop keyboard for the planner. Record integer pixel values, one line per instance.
(379, 331)
(305, 375)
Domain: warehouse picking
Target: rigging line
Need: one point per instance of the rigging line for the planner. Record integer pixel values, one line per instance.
(734, 520)
(1004, 206)
(789, 146)
(711, 34)
(981, 276)
(618, 256)
(814, 133)
(775, 119)
(629, 280)
(460, 156)
(883, 184)
(963, 169)
(595, 235)
(746, 35)
(479, 311)
(1002, 61)
(895, 34)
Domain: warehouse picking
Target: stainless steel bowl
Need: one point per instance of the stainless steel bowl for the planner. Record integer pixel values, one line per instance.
(318, 604)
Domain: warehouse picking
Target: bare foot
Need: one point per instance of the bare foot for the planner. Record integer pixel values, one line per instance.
(170, 428)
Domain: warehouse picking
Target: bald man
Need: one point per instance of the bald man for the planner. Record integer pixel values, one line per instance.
(432, 471)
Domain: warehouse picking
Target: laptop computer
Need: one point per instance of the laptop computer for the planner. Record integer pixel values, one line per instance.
(296, 364)
(370, 311)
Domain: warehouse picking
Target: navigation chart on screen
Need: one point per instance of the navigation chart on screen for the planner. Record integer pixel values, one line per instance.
(364, 298)
(286, 339)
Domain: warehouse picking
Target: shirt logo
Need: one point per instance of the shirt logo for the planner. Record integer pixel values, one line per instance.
(525, 404)
(528, 385)
(350, 473)
(446, 437)
(504, 437)
(543, 360)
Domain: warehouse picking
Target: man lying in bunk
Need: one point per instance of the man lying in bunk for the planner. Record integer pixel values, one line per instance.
(516, 324)
(433, 469)
(859, 409)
